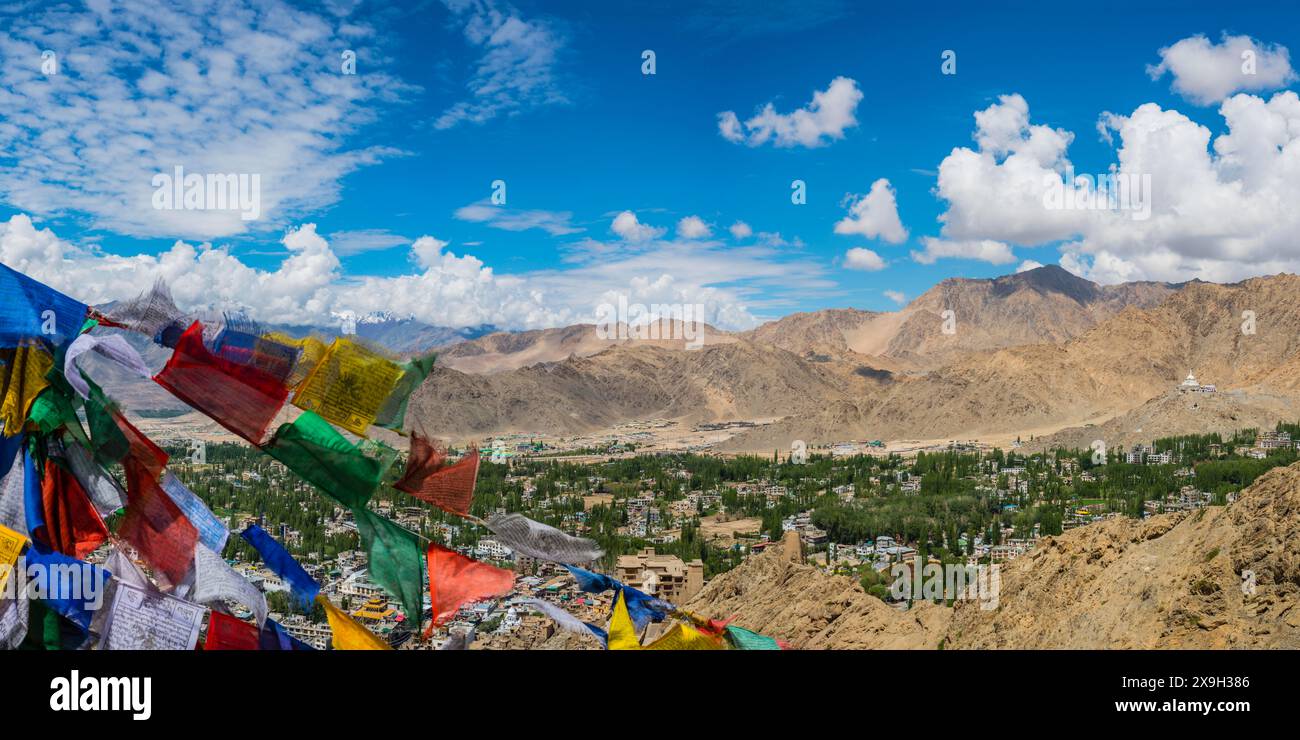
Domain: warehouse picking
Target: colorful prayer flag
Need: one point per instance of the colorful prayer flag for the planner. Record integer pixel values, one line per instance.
(541, 541)
(30, 311)
(241, 398)
(303, 587)
(743, 639)
(430, 479)
(71, 525)
(22, 378)
(341, 470)
(394, 557)
(348, 634)
(11, 546)
(455, 580)
(156, 527)
(227, 633)
(622, 633)
(349, 386)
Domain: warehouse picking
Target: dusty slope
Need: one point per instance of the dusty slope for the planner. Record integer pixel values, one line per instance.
(811, 610)
(740, 380)
(1172, 581)
(1177, 413)
(1046, 304)
(503, 351)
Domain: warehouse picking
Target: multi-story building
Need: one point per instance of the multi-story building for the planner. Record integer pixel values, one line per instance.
(672, 579)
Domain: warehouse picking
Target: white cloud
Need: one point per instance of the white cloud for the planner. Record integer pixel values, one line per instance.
(1029, 265)
(985, 250)
(896, 296)
(693, 227)
(347, 243)
(555, 223)
(254, 89)
(627, 227)
(441, 287)
(516, 70)
(824, 120)
(1012, 161)
(1205, 73)
(1218, 208)
(740, 230)
(861, 258)
(874, 215)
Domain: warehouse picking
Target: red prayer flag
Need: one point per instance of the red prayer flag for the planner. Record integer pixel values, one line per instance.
(455, 580)
(149, 455)
(227, 633)
(72, 526)
(241, 398)
(155, 526)
(430, 479)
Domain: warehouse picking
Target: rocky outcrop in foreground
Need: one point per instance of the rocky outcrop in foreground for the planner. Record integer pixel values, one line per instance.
(1171, 581)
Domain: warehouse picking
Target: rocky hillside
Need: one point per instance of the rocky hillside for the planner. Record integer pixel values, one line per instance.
(503, 351)
(1046, 304)
(1171, 581)
(726, 381)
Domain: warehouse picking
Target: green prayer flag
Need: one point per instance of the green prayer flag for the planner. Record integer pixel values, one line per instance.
(744, 639)
(393, 413)
(396, 561)
(108, 443)
(339, 469)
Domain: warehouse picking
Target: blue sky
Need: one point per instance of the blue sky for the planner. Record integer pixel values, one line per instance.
(555, 105)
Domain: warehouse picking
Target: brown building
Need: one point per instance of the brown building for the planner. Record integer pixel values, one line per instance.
(664, 576)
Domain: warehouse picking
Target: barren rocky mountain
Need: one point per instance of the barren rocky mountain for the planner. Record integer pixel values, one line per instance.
(502, 351)
(1170, 581)
(1046, 304)
(1115, 367)
(738, 380)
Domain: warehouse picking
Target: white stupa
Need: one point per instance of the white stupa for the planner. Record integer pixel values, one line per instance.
(1191, 382)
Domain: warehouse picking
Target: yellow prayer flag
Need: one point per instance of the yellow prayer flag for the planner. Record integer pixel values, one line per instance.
(348, 634)
(22, 377)
(685, 637)
(348, 386)
(622, 633)
(310, 352)
(11, 546)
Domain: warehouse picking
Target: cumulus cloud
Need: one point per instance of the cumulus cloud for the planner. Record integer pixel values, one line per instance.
(629, 228)
(896, 296)
(984, 250)
(693, 227)
(441, 287)
(874, 215)
(1218, 208)
(140, 91)
(1206, 73)
(1029, 265)
(861, 258)
(516, 69)
(555, 223)
(740, 230)
(822, 121)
